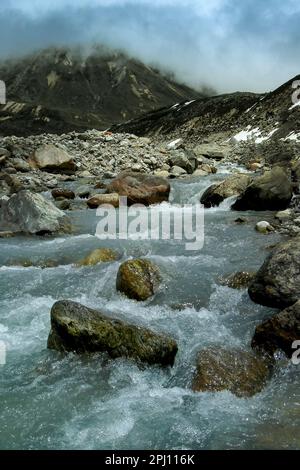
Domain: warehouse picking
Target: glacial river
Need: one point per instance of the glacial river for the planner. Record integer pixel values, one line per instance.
(54, 401)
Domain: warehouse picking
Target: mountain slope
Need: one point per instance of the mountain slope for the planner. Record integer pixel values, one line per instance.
(241, 116)
(61, 90)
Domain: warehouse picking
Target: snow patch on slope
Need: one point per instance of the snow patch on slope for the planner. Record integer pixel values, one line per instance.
(254, 134)
(294, 105)
(292, 136)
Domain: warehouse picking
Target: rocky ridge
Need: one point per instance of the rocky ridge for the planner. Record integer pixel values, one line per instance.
(58, 90)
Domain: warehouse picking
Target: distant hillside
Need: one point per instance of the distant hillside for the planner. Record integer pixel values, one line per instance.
(242, 116)
(60, 90)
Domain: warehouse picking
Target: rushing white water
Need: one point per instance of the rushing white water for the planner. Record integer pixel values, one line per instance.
(54, 401)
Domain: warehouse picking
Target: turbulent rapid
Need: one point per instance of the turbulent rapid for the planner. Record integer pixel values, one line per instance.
(51, 400)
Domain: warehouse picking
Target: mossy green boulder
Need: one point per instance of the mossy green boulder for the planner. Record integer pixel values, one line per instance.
(100, 255)
(138, 279)
(80, 329)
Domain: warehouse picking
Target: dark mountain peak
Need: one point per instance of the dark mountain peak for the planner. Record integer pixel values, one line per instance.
(60, 89)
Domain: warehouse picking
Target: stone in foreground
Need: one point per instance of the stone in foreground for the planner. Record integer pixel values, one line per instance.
(138, 279)
(237, 371)
(80, 329)
(279, 332)
(31, 213)
(277, 283)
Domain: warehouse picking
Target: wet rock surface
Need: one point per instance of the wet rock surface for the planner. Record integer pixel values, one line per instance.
(240, 372)
(31, 213)
(271, 191)
(138, 279)
(80, 329)
(279, 332)
(277, 283)
(232, 186)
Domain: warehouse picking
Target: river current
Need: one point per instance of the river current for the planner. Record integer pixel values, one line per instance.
(54, 401)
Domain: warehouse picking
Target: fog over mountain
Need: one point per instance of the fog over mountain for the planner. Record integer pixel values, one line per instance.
(251, 45)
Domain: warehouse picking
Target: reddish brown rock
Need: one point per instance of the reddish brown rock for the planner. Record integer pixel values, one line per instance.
(141, 188)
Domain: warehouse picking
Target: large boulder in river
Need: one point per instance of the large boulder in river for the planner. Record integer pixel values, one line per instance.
(277, 283)
(279, 332)
(31, 213)
(237, 371)
(53, 159)
(271, 191)
(232, 186)
(77, 328)
(140, 188)
(138, 279)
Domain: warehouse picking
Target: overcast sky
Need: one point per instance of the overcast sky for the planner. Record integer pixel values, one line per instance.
(228, 44)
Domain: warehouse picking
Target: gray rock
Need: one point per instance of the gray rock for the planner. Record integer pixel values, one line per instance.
(264, 227)
(279, 332)
(31, 213)
(162, 173)
(271, 191)
(277, 283)
(284, 215)
(77, 328)
(63, 205)
(177, 171)
(83, 191)
(20, 165)
(4, 152)
(51, 158)
(184, 159)
(218, 192)
(211, 151)
(199, 173)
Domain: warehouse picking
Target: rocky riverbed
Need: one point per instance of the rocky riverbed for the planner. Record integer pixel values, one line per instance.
(151, 346)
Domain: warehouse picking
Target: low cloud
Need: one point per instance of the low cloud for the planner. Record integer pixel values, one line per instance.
(251, 45)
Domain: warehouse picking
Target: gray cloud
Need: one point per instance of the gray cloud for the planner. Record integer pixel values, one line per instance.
(230, 45)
